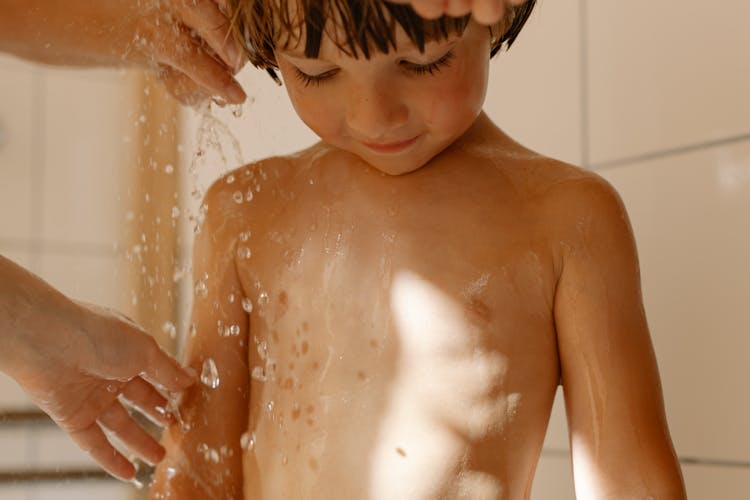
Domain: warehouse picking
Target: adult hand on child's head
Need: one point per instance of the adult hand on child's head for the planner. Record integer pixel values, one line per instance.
(91, 358)
(484, 11)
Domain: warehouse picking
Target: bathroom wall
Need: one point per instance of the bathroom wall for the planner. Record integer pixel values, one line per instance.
(653, 97)
(62, 156)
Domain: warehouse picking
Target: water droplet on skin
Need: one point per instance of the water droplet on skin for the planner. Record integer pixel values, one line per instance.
(244, 252)
(247, 441)
(249, 195)
(244, 236)
(175, 212)
(269, 406)
(230, 179)
(259, 374)
(237, 197)
(234, 330)
(263, 299)
(284, 460)
(111, 388)
(201, 290)
(209, 374)
(169, 328)
(168, 168)
(231, 298)
(263, 350)
(247, 305)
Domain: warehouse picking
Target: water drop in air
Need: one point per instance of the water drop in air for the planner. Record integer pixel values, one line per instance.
(244, 252)
(169, 328)
(201, 290)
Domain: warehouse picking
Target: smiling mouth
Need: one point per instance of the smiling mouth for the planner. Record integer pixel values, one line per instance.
(391, 147)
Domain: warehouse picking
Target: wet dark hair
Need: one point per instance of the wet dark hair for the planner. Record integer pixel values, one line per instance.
(366, 25)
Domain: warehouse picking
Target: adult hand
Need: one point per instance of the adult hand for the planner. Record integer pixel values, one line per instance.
(79, 365)
(185, 42)
(484, 11)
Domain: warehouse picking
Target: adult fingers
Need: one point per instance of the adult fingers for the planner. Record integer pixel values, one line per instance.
(205, 17)
(117, 420)
(93, 441)
(184, 53)
(160, 368)
(488, 11)
(458, 8)
(182, 87)
(428, 9)
(143, 396)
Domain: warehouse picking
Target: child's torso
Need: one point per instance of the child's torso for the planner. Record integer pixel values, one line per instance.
(402, 337)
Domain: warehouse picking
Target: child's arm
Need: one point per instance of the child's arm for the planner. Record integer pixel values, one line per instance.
(205, 461)
(619, 438)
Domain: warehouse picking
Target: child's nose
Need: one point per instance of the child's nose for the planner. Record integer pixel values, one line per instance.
(373, 111)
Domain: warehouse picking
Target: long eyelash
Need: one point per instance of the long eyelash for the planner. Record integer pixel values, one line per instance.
(433, 67)
(308, 80)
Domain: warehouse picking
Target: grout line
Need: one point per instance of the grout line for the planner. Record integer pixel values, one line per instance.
(584, 84)
(684, 460)
(655, 155)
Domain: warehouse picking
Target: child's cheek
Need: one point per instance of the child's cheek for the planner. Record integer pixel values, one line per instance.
(314, 110)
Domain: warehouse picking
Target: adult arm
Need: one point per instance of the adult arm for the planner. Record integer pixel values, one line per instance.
(186, 42)
(75, 361)
(619, 438)
(204, 457)
(484, 11)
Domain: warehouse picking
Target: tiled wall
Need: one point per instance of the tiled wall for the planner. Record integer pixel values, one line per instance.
(654, 97)
(61, 165)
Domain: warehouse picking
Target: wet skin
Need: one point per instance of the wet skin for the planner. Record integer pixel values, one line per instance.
(408, 332)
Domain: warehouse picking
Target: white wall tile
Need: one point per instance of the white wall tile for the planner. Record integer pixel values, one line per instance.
(553, 479)
(705, 482)
(534, 89)
(557, 429)
(666, 74)
(84, 156)
(16, 135)
(88, 278)
(690, 217)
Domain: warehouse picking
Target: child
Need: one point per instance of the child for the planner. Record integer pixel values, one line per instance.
(387, 314)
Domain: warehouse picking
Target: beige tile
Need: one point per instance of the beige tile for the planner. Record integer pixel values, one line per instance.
(16, 136)
(11, 395)
(709, 482)
(51, 447)
(81, 490)
(557, 429)
(14, 443)
(85, 156)
(92, 279)
(553, 479)
(666, 74)
(534, 88)
(690, 217)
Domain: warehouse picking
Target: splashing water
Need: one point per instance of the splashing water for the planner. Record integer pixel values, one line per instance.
(209, 374)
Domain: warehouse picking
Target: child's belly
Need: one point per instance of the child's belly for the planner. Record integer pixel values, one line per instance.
(406, 394)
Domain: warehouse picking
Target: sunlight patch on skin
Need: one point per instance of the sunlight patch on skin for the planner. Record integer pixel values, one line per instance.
(446, 392)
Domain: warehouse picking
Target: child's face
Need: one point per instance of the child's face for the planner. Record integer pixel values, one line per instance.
(398, 110)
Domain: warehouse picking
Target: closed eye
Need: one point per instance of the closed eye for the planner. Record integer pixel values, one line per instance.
(419, 69)
(432, 67)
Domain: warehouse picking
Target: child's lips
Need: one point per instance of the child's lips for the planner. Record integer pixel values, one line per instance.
(391, 147)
